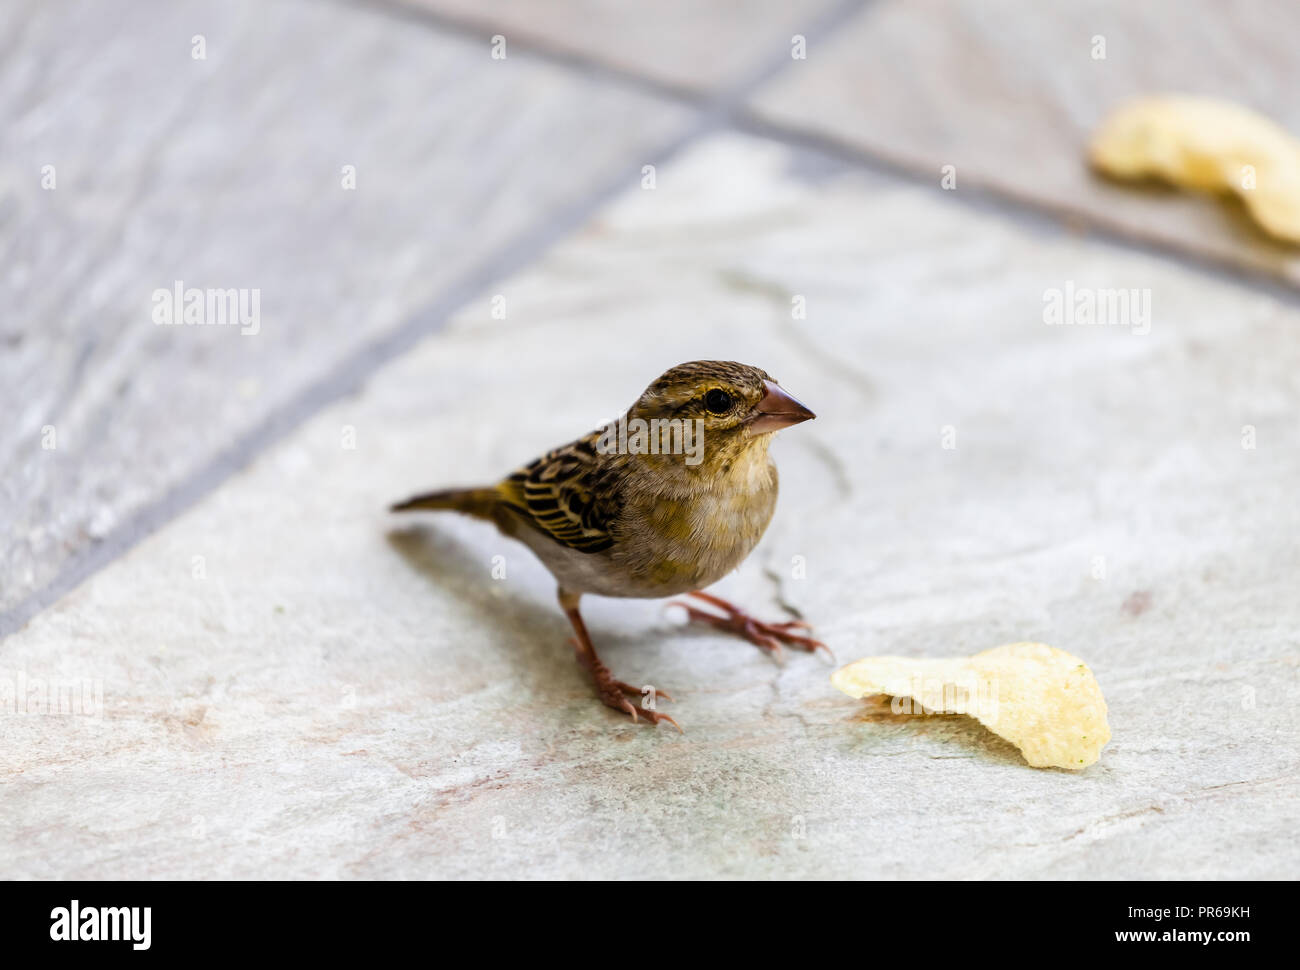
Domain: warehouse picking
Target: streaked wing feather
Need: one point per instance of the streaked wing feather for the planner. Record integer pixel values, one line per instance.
(566, 495)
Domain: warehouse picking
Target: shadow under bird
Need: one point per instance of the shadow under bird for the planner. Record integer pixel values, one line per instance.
(616, 514)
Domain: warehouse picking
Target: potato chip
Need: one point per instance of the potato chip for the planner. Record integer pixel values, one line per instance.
(1043, 700)
(1210, 146)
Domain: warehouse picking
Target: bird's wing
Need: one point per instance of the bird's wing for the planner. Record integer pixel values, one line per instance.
(568, 494)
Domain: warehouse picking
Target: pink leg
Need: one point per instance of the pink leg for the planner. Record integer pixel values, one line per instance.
(611, 691)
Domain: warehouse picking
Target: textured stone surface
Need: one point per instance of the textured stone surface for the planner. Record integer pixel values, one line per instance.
(330, 691)
(1008, 92)
(227, 172)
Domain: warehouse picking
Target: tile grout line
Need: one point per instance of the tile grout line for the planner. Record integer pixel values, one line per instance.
(350, 375)
(1026, 211)
(572, 62)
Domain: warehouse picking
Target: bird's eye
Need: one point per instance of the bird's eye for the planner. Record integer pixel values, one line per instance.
(718, 401)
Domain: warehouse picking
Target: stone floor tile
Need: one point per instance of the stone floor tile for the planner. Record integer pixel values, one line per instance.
(229, 172)
(296, 683)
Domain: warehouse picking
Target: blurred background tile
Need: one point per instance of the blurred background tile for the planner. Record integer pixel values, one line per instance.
(228, 172)
(1008, 92)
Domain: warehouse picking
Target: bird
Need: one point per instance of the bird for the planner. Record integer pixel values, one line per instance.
(662, 502)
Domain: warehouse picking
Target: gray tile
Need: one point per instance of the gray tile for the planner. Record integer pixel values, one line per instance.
(1008, 92)
(228, 172)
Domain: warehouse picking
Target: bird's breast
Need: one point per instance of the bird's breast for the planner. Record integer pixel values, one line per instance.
(675, 544)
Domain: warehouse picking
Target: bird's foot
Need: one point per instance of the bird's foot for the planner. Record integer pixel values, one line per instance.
(768, 636)
(612, 694)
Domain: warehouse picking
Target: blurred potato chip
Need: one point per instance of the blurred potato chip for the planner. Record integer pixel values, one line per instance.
(1210, 146)
(1043, 700)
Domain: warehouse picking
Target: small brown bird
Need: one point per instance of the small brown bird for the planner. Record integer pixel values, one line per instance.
(666, 500)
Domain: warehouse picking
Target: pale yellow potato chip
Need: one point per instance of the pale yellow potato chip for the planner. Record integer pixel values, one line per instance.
(1210, 146)
(1043, 700)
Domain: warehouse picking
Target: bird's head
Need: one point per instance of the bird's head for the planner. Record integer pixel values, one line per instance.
(732, 408)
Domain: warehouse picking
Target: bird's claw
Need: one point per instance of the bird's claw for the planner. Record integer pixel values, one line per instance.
(612, 691)
(768, 636)
(620, 703)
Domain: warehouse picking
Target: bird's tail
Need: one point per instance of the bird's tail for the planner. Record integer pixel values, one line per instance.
(478, 502)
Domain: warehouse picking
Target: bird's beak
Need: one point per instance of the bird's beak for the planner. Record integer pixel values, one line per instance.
(778, 410)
